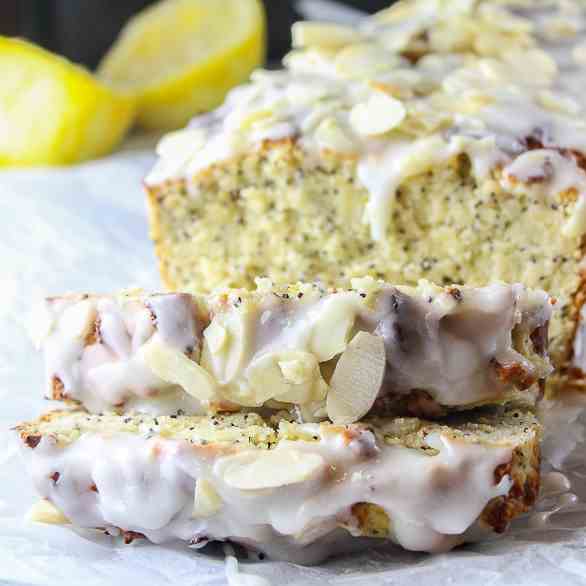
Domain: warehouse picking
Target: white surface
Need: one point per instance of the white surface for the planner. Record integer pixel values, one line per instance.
(85, 229)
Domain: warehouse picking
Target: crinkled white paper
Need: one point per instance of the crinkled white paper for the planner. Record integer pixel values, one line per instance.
(85, 229)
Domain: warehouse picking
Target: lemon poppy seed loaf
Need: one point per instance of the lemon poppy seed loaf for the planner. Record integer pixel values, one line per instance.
(434, 141)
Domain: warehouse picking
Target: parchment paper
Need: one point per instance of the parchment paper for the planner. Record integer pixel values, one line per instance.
(84, 229)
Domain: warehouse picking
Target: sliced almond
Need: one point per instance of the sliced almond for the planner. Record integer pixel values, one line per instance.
(380, 114)
(44, 511)
(78, 319)
(239, 325)
(396, 40)
(317, 34)
(207, 501)
(531, 65)
(250, 119)
(331, 330)
(399, 12)
(256, 470)
(263, 284)
(365, 61)
(312, 412)
(450, 39)
(174, 367)
(331, 136)
(216, 337)
(315, 60)
(297, 371)
(357, 379)
(288, 376)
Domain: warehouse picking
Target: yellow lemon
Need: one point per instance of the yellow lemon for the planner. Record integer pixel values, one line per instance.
(180, 57)
(53, 112)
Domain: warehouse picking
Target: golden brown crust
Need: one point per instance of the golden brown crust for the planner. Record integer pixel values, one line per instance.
(578, 301)
(130, 536)
(515, 374)
(567, 376)
(94, 336)
(371, 520)
(523, 470)
(57, 389)
(154, 201)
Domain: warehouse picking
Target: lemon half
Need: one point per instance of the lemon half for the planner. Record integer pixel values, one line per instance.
(53, 112)
(180, 57)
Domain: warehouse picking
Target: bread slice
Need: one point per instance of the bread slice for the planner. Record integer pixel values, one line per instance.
(375, 348)
(433, 141)
(286, 488)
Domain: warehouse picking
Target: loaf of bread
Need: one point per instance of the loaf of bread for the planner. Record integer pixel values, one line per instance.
(375, 348)
(435, 140)
(300, 492)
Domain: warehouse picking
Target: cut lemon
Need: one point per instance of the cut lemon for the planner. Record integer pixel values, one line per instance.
(53, 112)
(180, 57)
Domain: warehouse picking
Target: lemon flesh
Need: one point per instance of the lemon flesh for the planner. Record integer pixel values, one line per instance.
(180, 57)
(53, 112)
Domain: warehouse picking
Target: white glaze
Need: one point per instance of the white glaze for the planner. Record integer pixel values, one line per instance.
(111, 371)
(445, 347)
(147, 485)
(456, 347)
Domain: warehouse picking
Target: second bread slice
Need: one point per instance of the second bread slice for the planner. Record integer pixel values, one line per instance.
(375, 348)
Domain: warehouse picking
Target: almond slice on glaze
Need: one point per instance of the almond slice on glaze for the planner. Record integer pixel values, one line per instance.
(216, 337)
(331, 136)
(79, 318)
(357, 379)
(228, 343)
(317, 34)
(257, 470)
(44, 511)
(289, 376)
(174, 367)
(380, 114)
(331, 330)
